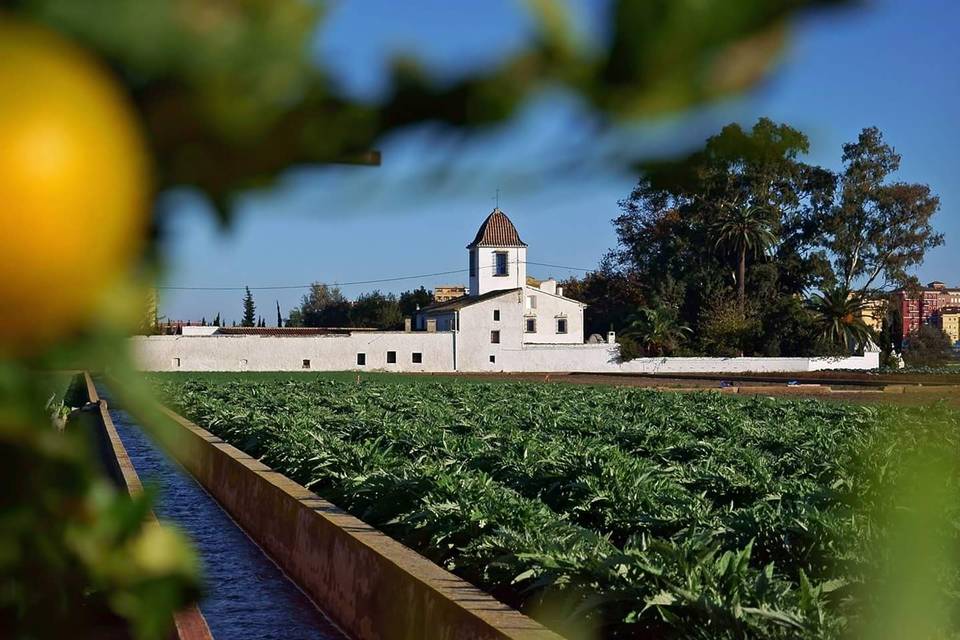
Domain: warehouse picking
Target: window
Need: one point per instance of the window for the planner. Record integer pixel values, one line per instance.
(500, 263)
(391, 357)
(494, 337)
(493, 358)
(306, 363)
(473, 263)
(531, 302)
(531, 325)
(175, 363)
(561, 325)
(416, 357)
(496, 315)
(361, 359)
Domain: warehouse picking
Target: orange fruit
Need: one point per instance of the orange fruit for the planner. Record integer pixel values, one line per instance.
(74, 186)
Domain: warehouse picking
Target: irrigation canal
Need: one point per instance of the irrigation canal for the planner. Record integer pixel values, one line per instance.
(247, 596)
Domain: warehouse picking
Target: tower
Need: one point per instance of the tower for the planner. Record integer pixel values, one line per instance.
(498, 257)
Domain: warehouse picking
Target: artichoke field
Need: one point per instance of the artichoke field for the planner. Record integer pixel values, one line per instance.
(608, 512)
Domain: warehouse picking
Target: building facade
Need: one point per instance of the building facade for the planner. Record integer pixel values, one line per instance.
(950, 323)
(924, 305)
(447, 292)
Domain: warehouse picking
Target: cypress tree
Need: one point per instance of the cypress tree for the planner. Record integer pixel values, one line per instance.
(279, 316)
(249, 310)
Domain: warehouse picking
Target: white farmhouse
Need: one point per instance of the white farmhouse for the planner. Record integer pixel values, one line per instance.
(507, 322)
(505, 312)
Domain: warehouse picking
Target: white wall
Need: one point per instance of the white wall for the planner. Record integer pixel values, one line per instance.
(484, 281)
(470, 350)
(549, 308)
(286, 353)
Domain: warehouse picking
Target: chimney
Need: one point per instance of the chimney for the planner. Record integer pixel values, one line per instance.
(408, 324)
(431, 325)
(549, 285)
(611, 337)
(560, 291)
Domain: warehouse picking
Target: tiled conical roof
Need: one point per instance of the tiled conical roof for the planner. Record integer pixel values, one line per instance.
(497, 231)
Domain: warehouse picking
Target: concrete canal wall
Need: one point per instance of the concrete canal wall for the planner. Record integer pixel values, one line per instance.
(372, 586)
(189, 624)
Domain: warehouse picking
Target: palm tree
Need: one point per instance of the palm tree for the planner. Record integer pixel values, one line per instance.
(839, 314)
(743, 230)
(658, 330)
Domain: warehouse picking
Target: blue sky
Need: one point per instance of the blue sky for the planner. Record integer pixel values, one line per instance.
(893, 64)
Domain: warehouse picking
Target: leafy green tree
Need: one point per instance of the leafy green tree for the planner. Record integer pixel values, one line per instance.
(611, 296)
(878, 229)
(410, 301)
(927, 346)
(376, 310)
(746, 191)
(658, 330)
(839, 316)
(249, 310)
(323, 306)
(727, 326)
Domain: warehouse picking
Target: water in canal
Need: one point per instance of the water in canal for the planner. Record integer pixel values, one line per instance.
(247, 594)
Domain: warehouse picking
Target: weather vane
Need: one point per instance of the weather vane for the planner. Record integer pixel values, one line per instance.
(497, 197)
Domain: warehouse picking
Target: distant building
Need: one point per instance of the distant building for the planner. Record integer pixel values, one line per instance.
(923, 306)
(446, 293)
(950, 322)
(873, 312)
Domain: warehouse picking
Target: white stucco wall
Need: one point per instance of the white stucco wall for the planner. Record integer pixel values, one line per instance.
(287, 353)
(484, 281)
(550, 307)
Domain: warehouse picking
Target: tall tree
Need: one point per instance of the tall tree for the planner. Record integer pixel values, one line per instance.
(749, 190)
(279, 316)
(878, 228)
(376, 310)
(216, 320)
(249, 310)
(743, 230)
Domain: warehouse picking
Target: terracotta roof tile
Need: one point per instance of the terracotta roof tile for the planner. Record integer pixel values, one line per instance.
(497, 231)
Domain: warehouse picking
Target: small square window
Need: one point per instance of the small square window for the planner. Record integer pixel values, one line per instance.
(175, 363)
(493, 358)
(561, 325)
(416, 357)
(494, 337)
(496, 315)
(306, 364)
(531, 325)
(361, 359)
(391, 357)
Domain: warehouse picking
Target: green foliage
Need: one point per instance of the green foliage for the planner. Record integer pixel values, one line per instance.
(637, 513)
(927, 346)
(727, 326)
(748, 194)
(877, 230)
(230, 99)
(839, 315)
(74, 554)
(657, 330)
(249, 310)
